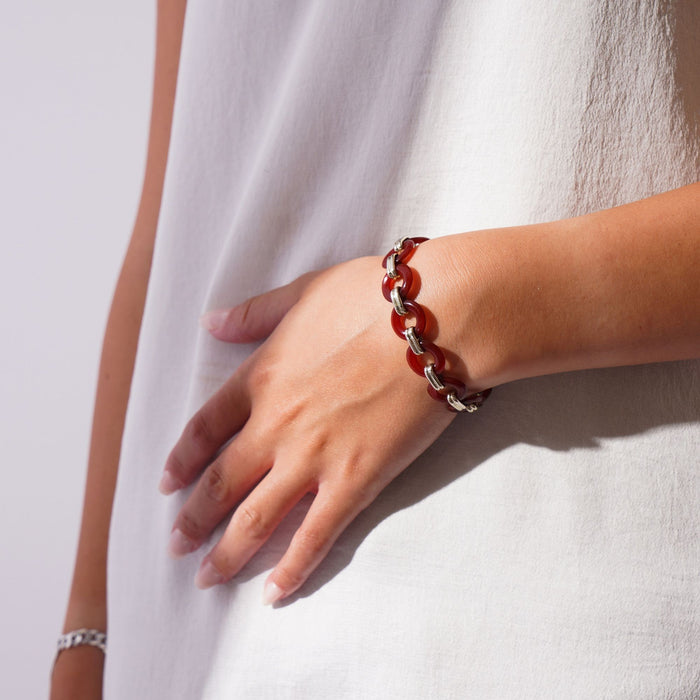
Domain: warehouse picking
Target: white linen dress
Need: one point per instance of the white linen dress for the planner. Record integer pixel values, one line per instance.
(547, 547)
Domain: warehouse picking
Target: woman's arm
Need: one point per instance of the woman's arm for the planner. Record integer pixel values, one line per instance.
(78, 672)
(615, 287)
(327, 405)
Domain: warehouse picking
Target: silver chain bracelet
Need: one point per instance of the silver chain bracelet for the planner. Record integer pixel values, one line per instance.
(82, 637)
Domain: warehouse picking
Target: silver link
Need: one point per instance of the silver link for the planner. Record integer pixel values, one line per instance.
(414, 341)
(397, 301)
(432, 376)
(391, 266)
(398, 245)
(458, 405)
(82, 637)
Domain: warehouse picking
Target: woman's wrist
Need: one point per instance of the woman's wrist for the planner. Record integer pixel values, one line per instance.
(615, 287)
(410, 322)
(85, 612)
(78, 673)
(516, 313)
(461, 290)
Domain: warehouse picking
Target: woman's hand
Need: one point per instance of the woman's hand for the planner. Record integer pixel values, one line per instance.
(327, 405)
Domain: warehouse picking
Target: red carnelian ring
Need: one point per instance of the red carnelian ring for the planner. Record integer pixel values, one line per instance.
(430, 349)
(397, 321)
(476, 399)
(410, 244)
(451, 384)
(388, 283)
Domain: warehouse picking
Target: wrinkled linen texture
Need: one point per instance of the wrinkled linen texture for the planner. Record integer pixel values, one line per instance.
(547, 547)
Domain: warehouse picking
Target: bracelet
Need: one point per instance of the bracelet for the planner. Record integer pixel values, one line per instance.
(396, 287)
(82, 637)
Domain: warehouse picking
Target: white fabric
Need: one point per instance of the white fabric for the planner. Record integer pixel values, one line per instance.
(547, 547)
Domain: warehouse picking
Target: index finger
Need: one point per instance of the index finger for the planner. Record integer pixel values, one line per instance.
(216, 422)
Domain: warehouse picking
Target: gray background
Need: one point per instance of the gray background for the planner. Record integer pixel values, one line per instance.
(75, 80)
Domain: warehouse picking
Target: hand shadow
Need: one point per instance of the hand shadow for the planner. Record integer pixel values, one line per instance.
(558, 412)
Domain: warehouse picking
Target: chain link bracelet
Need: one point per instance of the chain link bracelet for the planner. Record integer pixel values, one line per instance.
(423, 357)
(82, 637)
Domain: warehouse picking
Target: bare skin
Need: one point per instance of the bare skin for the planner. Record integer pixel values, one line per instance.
(78, 672)
(617, 287)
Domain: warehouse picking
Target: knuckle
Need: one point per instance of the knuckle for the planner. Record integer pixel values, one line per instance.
(311, 542)
(287, 414)
(259, 376)
(365, 491)
(317, 442)
(352, 473)
(356, 484)
(252, 523)
(199, 432)
(189, 526)
(214, 483)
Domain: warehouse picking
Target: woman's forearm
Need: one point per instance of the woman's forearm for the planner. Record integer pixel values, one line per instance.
(615, 287)
(78, 673)
(87, 601)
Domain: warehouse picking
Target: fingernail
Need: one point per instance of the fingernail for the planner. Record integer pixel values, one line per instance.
(208, 576)
(169, 484)
(272, 593)
(213, 320)
(179, 544)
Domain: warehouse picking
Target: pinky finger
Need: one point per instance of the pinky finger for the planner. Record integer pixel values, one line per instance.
(321, 527)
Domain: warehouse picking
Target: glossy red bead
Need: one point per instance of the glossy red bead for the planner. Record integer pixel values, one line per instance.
(406, 280)
(415, 310)
(401, 257)
(451, 384)
(434, 351)
(435, 356)
(478, 398)
(410, 244)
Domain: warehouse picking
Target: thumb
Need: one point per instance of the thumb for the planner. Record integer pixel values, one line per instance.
(256, 317)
